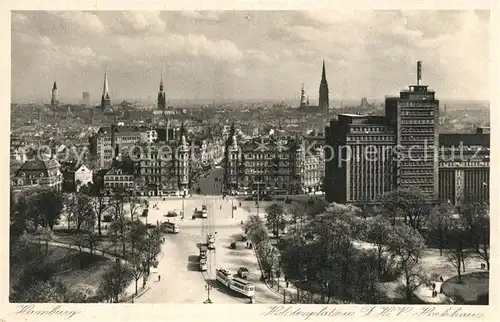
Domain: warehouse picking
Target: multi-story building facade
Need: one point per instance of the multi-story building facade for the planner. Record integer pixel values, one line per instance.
(359, 153)
(162, 168)
(39, 172)
(103, 144)
(272, 165)
(368, 156)
(415, 117)
(119, 177)
(464, 167)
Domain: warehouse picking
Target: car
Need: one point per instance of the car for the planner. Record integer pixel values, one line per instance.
(171, 214)
(243, 272)
(150, 226)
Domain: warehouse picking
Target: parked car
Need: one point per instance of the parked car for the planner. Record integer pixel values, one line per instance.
(171, 214)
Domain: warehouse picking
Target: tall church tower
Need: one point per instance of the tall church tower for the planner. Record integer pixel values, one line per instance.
(162, 99)
(54, 102)
(303, 101)
(105, 100)
(324, 102)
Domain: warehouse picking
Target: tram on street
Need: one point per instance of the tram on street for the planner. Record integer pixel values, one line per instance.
(236, 284)
(242, 286)
(210, 241)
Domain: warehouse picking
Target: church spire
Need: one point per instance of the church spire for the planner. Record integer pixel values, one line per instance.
(105, 89)
(55, 86)
(162, 98)
(324, 102)
(323, 74)
(105, 99)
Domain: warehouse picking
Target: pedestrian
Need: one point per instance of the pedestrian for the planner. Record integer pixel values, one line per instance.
(159, 278)
(433, 286)
(287, 283)
(441, 279)
(247, 244)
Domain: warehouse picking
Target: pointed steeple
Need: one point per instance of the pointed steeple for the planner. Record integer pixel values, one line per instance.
(105, 99)
(161, 83)
(55, 86)
(105, 89)
(323, 74)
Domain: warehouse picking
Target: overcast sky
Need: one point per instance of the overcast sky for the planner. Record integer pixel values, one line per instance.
(248, 55)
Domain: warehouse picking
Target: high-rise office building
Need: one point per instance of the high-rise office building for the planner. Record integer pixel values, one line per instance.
(415, 116)
(368, 156)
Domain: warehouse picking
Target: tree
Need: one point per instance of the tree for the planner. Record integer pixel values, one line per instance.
(99, 203)
(407, 245)
(379, 232)
(119, 229)
(476, 221)
(457, 255)
(84, 213)
(114, 282)
(137, 232)
(256, 230)
(70, 206)
(439, 223)
(137, 270)
(410, 203)
(274, 216)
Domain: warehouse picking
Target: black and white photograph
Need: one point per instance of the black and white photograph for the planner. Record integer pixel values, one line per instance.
(250, 157)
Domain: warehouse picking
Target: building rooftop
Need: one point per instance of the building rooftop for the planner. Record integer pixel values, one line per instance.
(466, 139)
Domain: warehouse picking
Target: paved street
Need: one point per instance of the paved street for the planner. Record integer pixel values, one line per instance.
(181, 282)
(207, 183)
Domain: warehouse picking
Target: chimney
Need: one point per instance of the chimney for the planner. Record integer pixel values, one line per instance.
(419, 73)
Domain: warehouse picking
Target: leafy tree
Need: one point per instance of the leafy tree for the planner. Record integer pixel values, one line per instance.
(476, 221)
(84, 213)
(137, 270)
(50, 205)
(274, 216)
(407, 245)
(137, 232)
(439, 223)
(119, 229)
(256, 230)
(379, 233)
(70, 202)
(114, 282)
(410, 203)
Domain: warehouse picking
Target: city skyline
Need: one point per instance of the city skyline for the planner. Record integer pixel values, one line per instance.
(368, 54)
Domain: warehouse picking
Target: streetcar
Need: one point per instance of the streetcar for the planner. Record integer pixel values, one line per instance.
(242, 286)
(203, 264)
(172, 227)
(223, 276)
(210, 241)
(204, 212)
(236, 284)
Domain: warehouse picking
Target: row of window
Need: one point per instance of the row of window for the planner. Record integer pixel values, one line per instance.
(355, 129)
(118, 178)
(371, 138)
(431, 121)
(417, 113)
(464, 164)
(418, 129)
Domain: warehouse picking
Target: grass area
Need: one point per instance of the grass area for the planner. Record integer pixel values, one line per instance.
(474, 288)
(79, 272)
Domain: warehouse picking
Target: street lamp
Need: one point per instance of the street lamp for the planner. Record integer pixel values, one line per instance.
(232, 205)
(208, 288)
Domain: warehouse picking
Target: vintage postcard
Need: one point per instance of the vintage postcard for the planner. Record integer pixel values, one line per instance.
(331, 156)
